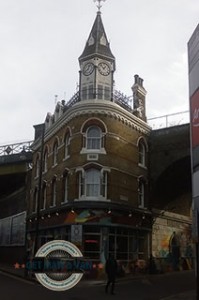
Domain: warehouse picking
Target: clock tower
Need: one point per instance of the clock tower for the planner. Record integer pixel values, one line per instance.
(97, 65)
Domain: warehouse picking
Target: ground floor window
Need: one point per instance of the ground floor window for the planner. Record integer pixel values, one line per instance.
(97, 242)
(123, 243)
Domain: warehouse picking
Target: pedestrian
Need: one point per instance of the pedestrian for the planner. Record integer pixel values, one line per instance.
(111, 271)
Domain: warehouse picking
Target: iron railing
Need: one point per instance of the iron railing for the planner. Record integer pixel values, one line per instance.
(15, 148)
(169, 120)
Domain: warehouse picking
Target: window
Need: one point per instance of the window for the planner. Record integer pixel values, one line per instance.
(93, 184)
(142, 153)
(93, 138)
(43, 199)
(104, 185)
(93, 131)
(65, 188)
(35, 200)
(141, 194)
(66, 145)
(54, 193)
(92, 246)
(81, 185)
(37, 166)
(45, 166)
(55, 153)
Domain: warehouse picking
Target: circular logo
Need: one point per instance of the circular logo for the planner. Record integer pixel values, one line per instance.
(60, 281)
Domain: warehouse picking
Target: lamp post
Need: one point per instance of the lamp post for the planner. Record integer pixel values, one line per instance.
(39, 187)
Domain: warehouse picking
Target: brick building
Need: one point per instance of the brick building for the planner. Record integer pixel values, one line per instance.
(93, 186)
(100, 176)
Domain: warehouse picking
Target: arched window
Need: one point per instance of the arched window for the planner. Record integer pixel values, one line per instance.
(94, 138)
(45, 162)
(55, 153)
(54, 193)
(142, 153)
(37, 166)
(66, 145)
(93, 131)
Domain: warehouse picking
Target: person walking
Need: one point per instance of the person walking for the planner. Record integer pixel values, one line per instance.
(111, 271)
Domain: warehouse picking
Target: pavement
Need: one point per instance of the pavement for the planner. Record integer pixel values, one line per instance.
(19, 271)
(189, 295)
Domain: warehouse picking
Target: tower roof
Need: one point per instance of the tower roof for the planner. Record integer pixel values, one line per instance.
(97, 43)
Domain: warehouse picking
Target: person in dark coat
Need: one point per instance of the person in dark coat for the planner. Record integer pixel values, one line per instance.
(111, 271)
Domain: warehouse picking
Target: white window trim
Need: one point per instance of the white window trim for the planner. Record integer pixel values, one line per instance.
(142, 166)
(55, 155)
(93, 151)
(142, 153)
(93, 198)
(68, 144)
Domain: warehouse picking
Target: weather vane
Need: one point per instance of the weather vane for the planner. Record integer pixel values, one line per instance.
(99, 3)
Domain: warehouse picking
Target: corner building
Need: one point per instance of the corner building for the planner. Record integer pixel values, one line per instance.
(93, 189)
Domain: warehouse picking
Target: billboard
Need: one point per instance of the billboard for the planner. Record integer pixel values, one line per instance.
(194, 110)
(193, 61)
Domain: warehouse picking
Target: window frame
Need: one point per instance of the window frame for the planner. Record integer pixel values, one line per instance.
(45, 160)
(66, 145)
(65, 189)
(142, 154)
(141, 194)
(55, 153)
(101, 182)
(37, 166)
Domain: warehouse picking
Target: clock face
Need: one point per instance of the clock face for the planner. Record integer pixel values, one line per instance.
(104, 69)
(88, 69)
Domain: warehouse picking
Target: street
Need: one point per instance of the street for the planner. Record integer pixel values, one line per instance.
(148, 287)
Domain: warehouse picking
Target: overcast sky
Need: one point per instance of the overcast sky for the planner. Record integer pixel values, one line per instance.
(41, 41)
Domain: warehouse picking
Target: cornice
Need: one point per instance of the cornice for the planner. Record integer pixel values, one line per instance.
(96, 108)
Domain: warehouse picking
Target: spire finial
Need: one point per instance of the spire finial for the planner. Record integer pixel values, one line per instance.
(99, 4)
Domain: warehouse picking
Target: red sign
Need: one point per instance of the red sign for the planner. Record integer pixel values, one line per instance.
(195, 119)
